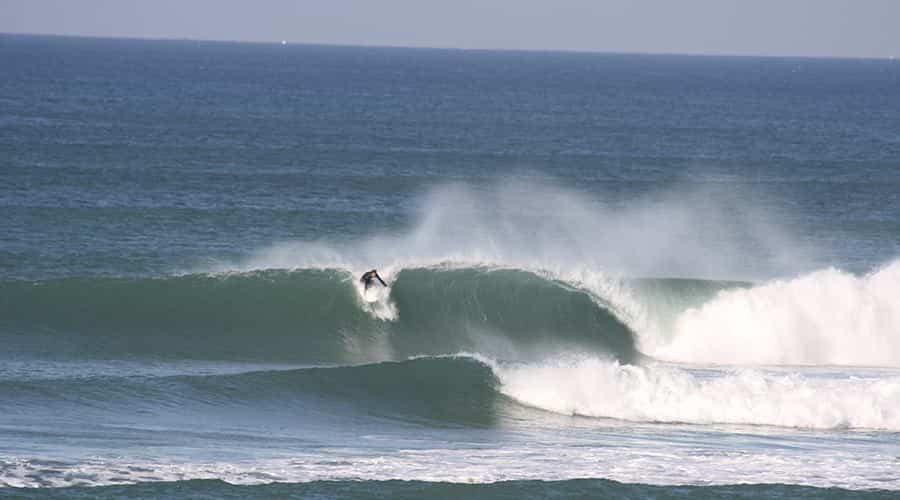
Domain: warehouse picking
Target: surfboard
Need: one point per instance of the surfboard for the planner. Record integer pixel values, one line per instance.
(370, 295)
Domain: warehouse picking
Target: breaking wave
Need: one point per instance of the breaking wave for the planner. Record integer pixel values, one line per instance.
(657, 392)
(828, 317)
(477, 391)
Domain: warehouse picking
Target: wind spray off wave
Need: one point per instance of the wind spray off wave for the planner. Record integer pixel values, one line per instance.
(666, 267)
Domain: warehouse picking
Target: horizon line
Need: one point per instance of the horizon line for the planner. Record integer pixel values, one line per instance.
(445, 48)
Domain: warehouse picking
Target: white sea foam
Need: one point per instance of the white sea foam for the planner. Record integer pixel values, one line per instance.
(826, 317)
(664, 393)
(635, 458)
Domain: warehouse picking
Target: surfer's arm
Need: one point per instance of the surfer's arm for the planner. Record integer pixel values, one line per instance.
(381, 280)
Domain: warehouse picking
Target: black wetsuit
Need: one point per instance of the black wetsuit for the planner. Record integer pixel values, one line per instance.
(367, 278)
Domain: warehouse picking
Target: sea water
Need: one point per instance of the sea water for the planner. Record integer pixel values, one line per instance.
(610, 275)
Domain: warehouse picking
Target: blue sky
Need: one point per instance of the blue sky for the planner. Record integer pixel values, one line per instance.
(841, 28)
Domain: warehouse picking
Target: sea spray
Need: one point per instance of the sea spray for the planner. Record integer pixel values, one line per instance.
(536, 223)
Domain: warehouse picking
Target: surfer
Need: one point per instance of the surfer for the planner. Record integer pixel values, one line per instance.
(368, 277)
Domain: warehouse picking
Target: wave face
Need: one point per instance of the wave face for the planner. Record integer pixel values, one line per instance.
(457, 390)
(312, 316)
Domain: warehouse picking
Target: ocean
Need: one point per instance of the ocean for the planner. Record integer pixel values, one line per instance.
(610, 275)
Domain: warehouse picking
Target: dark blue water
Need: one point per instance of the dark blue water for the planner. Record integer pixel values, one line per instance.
(174, 153)
(596, 261)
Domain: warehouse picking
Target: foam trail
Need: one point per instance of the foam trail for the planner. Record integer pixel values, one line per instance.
(662, 393)
(826, 317)
(847, 468)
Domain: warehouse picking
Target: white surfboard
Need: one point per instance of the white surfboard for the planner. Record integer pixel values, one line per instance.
(371, 295)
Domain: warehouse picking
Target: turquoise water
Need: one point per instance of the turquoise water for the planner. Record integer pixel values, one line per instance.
(611, 275)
